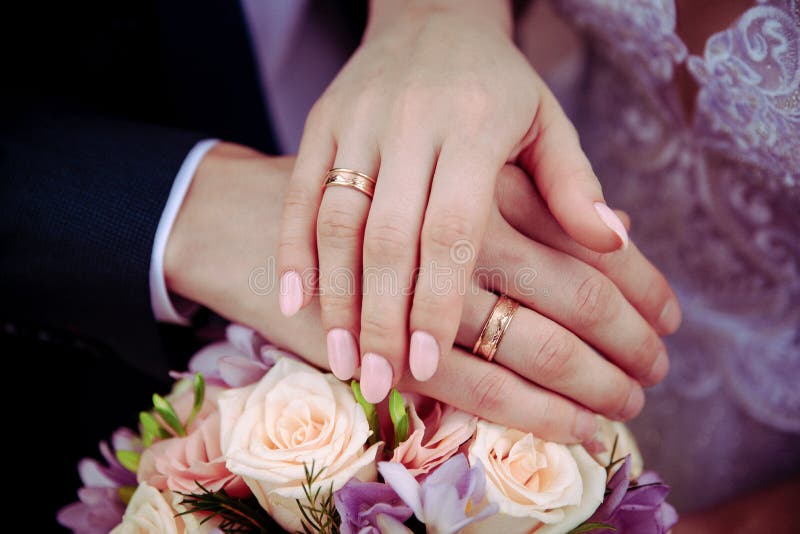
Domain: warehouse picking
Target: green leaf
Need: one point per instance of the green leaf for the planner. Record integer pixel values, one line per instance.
(587, 527)
(167, 413)
(199, 397)
(151, 428)
(369, 411)
(399, 415)
(129, 460)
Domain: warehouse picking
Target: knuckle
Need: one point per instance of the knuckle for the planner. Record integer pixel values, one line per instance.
(319, 112)
(296, 201)
(448, 231)
(337, 307)
(375, 324)
(410, 104)
(337, 226)
(490, 392)
(437, 307)
(593, 300)
(552, 360)
(386, 243)
(475, 96)
(605, 262)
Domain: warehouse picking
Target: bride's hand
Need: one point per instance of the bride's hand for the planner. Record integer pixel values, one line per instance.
(543, 376)
(434, 102)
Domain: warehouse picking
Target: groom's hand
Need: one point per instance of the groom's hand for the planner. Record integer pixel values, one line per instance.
(221, 252)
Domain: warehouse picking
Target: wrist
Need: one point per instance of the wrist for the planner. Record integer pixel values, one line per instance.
(483, 14)
(230, 182)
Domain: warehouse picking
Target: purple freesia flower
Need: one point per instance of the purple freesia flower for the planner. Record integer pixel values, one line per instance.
(641, 509)
(100, 507)
(369, 507)
(448, 500)
(242, 359)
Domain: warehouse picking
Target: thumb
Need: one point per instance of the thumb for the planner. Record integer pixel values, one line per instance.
(566, 181)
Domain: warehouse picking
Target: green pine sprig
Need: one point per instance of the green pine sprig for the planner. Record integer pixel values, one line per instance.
(239, 516)
(319, 511)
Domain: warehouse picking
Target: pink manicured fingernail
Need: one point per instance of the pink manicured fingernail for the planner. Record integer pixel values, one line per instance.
(423, 356)
(376, 377)
(291, 296)
(585, 426)
(670, 318)
(612, 221)
(342, 353)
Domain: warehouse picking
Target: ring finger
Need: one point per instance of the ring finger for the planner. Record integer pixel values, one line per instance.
(340, 230)
(549, 355)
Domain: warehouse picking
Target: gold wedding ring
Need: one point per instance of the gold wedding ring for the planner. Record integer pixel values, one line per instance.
(352, 179)
(494, 327)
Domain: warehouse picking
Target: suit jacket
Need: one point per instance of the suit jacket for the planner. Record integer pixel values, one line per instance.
(105, 101)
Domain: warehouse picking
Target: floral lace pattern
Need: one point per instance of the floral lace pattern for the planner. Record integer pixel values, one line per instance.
(715, 203)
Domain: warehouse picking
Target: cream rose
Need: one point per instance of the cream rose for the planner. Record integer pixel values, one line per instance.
(538, 485)
(295, 416)
(600, 448)
(152, 511)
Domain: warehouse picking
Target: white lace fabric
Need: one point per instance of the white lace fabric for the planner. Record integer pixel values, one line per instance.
(715, 203)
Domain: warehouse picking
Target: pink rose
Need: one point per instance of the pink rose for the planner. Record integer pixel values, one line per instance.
(178, 463)
(434, 438)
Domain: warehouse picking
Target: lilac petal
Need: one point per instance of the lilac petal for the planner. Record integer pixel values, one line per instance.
(98, 511)
(206, 360)
(475, 487)
(114, 471)
(238, 371)
(405, 485)
(108, 456)
(270, 355)
(125, 439)
(72, 514)
(618, 485)
(666, 517)
(93, 474)
(647, 497)
(649, 477)
(359, 504)
(442, 508)
(450, 472)
(246, 340)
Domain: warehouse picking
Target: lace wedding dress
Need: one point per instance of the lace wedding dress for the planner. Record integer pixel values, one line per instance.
(715, 204)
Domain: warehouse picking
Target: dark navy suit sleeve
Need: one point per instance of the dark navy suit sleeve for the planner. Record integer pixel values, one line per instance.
(80, 201)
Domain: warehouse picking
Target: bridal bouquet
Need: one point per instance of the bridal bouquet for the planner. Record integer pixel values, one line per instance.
(253, 440)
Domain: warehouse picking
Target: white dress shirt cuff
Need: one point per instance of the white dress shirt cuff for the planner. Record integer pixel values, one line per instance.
(166, 308)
